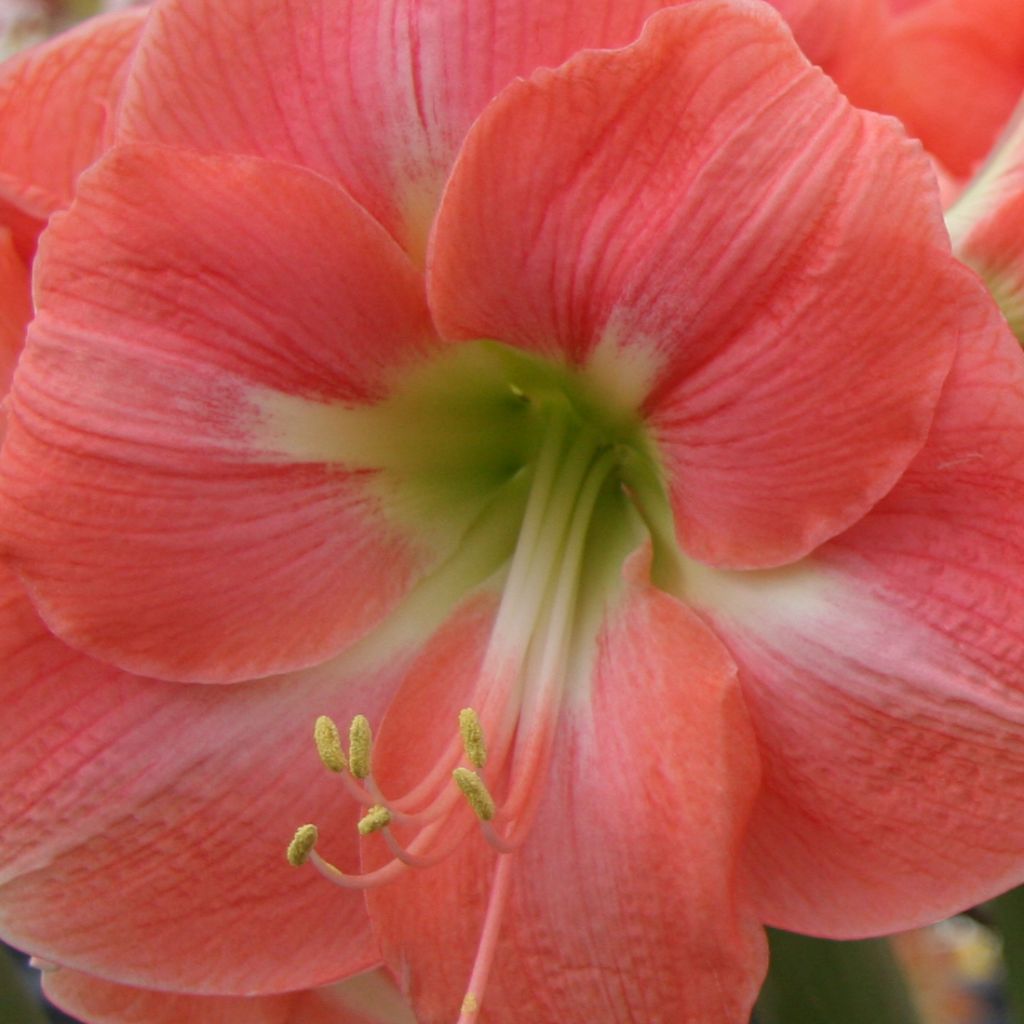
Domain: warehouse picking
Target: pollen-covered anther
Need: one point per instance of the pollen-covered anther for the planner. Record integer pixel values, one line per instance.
(328, 744)
(302, 845)
(376, 818)
(470, 1004)
(360, 739)
(472, 738)
(475, 791)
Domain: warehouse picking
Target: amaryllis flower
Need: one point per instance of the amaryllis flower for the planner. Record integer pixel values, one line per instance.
(584, 410)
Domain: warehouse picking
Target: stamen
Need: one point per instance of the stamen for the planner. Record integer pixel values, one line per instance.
(476, 792)
(360, 739)
(488, 942)
(328, 744)
(388, 873)
(413, 860)
(646, 491)
(472, 738)
(376, 818)
(302, 845)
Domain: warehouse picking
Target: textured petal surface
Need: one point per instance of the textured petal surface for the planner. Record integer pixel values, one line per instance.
(368, 999)
(884, 678)
(57, 102)
(143, 824)
(146, 504)
(629, 869)
(704, 211)
(376, 95)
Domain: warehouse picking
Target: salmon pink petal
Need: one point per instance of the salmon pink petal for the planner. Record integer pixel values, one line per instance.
(950, 70)
(143, 824)
(15, 308)
(704, 212)
(629, 868)
(166, 526)
(884, 674)
(57, 103)
(375, 95)
(367, 999)
(828, 31)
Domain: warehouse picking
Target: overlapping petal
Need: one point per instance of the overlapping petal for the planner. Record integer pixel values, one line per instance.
(377, 96)
(950, 70)
(156, 517)
(884, 678)
(367, 999)
(143, 823)
(834, 32)
(624, 903)
(57, 103)
(705, 209)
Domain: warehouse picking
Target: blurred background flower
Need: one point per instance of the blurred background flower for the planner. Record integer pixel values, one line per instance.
(24, 22)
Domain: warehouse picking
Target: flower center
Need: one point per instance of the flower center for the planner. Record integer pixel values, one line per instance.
(519, 467)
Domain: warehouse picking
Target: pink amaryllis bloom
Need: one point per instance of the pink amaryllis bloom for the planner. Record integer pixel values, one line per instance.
(584, 404)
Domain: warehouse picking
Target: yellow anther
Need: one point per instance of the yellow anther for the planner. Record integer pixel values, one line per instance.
(360, 739)
(474, 790)
(376, 818)
(302, 845)
(470, 1004)
(328, 744)
(472, 738)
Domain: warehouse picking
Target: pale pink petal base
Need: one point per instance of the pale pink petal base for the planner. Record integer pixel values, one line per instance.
(367, 999)
(629, 871)
(884, 675)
